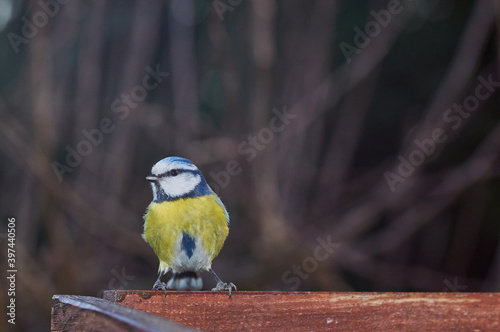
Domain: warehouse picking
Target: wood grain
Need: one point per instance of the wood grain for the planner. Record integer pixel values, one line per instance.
(319, 311)
(83, 313)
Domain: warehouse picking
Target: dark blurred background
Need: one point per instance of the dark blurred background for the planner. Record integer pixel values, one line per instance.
(355, 143)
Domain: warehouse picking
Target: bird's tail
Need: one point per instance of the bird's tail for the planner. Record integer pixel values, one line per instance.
(185, 281)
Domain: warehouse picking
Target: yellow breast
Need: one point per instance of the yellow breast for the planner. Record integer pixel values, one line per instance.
(203, 218)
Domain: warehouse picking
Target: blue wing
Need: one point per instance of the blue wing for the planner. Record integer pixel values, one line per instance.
(223, 208)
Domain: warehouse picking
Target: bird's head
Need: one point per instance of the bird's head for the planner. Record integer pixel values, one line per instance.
(175, 177)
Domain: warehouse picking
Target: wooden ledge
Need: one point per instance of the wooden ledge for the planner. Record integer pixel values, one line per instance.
(308, 311)
(84, 313)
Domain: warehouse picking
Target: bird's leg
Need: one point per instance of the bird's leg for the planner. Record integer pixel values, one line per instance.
(159, 285)
(222, 285)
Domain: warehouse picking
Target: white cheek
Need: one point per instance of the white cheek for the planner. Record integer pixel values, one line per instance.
(179, 185)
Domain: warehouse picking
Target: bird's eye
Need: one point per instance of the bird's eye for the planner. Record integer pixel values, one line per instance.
(174, 172)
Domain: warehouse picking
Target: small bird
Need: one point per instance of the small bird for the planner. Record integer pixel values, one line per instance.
(186, 224)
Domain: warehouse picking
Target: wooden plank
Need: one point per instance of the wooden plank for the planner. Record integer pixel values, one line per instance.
(83, 313)
(319, 311)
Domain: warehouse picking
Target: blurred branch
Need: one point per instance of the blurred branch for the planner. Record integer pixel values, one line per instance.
(34, 161)
(379, 198)
(452, 182)
(462, 66)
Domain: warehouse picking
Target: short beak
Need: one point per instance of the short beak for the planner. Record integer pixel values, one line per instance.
(151, 178)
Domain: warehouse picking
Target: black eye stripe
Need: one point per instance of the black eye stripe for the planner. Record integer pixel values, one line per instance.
(173, 172)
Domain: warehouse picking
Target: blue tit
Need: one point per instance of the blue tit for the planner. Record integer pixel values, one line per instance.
(186, 224)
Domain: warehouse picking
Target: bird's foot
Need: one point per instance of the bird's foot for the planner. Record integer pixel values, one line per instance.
(222, 286)
(160, 286)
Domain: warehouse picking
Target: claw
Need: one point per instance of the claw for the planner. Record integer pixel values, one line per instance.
(160, 286)
(222, 286)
